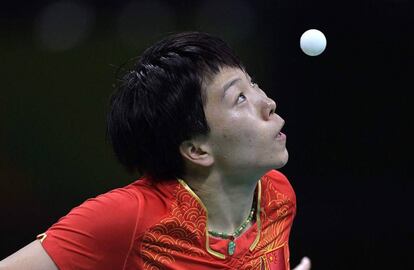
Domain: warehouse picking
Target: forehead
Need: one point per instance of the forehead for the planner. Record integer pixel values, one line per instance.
(214, 86)
(225, 74)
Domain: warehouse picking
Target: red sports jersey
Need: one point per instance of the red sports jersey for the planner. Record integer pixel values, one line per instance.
(149, 225)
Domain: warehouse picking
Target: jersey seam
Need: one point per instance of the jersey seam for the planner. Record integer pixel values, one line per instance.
(131, 245)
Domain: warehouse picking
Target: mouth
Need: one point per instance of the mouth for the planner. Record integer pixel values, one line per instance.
(280, 135)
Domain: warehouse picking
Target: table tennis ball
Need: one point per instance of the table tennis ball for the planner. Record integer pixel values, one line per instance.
(313, 42)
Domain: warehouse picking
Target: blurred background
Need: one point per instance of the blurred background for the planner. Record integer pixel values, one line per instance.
(347, 111)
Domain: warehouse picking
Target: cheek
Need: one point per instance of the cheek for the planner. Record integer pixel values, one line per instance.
(232, 130)
(238, 140)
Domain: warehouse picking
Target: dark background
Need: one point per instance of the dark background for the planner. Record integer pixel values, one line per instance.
(347, 112)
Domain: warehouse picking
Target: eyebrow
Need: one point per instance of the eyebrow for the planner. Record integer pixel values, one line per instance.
(228, 85)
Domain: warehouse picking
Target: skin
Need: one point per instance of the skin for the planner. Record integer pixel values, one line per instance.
(31, 257)
(222, 168)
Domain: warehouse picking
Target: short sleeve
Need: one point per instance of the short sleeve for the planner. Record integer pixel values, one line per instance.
(98, 234)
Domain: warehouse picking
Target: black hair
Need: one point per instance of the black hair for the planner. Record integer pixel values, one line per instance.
(159, 102)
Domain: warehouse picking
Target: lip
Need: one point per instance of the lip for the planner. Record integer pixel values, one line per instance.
(281, 136)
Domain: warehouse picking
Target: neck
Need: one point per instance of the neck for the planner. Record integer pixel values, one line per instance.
(228, 199)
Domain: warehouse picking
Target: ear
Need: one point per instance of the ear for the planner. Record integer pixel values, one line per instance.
(197, 152)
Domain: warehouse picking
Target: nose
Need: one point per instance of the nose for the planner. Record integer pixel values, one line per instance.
(268, 108)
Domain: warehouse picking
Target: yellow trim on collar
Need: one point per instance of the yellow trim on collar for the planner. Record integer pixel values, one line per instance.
(208, 248)
(258, 221)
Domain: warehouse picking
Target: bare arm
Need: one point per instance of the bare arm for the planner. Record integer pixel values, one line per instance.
(30, 257)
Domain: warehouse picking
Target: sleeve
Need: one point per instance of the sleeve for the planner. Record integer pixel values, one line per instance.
(98, 234)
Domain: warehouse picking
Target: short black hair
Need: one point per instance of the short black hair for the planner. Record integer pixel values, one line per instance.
(159, 102)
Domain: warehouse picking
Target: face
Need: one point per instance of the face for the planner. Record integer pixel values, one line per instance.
(245, 130)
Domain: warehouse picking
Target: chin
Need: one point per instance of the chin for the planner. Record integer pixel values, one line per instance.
(282, 160)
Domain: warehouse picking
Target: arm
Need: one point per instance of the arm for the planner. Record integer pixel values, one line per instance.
(98, 234)
(30, 257)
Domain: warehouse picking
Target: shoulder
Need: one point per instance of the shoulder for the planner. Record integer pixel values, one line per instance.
(110, 206)
(119, 213)
(276, 176)
(116, 210)
(101, 227)
(277, 181)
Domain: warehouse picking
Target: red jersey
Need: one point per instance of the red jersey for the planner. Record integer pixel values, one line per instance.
(149, 225)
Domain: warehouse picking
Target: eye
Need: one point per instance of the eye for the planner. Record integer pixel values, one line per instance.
(253, 82)
(241, 97)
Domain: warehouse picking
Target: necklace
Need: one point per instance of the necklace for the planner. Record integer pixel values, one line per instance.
(232, 245)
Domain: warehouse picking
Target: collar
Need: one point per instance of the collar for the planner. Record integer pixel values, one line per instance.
(207, 243)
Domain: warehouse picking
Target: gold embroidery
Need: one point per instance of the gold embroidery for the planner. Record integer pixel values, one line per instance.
(177, 234)
(277, 217)
(209, 250)
(181, 233)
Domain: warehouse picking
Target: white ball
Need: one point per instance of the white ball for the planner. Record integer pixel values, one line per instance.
(313, 42)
